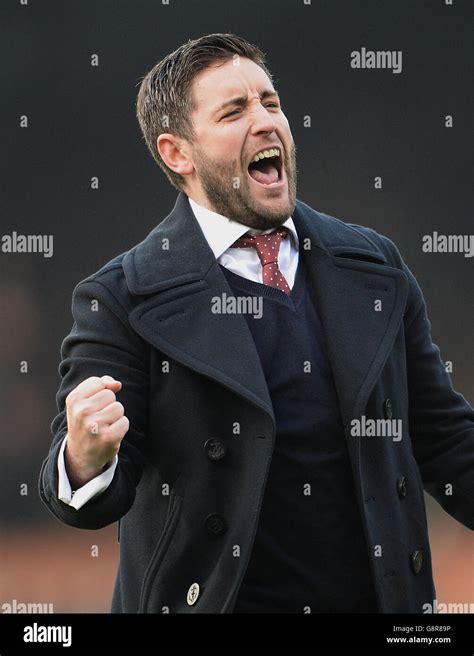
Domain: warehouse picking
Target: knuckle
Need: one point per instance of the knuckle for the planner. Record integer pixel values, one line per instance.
(83, 411)
(107, 435)
(119, 407)
(109, 396)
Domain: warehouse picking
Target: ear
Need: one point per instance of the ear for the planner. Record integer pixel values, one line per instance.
(174, 154)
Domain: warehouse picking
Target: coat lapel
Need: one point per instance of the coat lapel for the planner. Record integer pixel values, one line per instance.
(175, 272)
(349, 275)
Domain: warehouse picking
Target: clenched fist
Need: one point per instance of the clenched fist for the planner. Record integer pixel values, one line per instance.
(96, 426)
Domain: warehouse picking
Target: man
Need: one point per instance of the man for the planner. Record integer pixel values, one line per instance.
(252, 391)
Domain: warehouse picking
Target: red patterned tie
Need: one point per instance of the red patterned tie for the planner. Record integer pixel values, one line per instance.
(267, 247)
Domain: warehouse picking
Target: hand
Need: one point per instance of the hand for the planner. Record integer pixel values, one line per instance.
(96, 426)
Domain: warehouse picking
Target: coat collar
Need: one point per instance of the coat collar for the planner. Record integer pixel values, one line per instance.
(176, 252)
(176, 275)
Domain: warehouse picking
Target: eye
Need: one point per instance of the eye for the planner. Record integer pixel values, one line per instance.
(237, 111)
(232, 113)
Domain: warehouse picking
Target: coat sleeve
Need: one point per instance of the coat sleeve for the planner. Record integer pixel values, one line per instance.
(101, 342)
(441, 421)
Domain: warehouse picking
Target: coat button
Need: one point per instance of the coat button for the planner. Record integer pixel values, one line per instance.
(215, 449)
(215, 524)
(193, 594)
(387, 409)
(416, 561)
(402, 487)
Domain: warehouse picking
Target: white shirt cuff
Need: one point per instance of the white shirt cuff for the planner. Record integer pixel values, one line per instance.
(82, 495)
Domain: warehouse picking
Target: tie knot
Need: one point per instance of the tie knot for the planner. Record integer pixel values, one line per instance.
(266, 245)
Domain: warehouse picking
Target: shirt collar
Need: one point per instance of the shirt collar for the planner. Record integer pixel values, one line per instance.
(221, 232)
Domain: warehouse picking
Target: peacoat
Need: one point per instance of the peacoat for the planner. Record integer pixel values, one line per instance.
(192, 468)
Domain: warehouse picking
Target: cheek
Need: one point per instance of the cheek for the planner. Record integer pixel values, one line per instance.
(229, 149)
(224, 145)
(285, 125)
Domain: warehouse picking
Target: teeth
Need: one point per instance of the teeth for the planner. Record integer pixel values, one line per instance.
(273, 152)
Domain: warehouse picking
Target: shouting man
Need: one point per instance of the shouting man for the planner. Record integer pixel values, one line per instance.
(252, 391)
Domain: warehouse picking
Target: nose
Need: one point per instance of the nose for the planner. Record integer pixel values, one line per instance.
(262, 120)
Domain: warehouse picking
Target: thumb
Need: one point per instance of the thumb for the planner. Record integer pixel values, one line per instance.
(111, 382)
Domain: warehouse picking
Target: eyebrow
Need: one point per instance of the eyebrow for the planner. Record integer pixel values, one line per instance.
(242, 100)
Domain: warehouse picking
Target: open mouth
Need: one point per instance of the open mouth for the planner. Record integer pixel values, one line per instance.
(268, 169)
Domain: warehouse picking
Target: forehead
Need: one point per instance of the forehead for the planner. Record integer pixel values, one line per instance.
(221, 81)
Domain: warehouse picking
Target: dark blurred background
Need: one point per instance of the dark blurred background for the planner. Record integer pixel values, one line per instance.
(81, 124)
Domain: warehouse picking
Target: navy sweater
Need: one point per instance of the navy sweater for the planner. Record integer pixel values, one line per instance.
(310, 553)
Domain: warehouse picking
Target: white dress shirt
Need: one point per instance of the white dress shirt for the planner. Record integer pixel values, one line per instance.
(220, 233)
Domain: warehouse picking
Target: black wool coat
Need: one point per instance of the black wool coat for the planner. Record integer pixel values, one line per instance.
(187, 517)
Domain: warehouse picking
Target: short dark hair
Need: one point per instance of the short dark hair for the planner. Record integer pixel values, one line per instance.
(164, 101)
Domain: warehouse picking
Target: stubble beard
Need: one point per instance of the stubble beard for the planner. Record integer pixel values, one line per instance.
(236, 202)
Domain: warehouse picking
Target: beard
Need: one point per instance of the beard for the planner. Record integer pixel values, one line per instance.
(236, 202)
